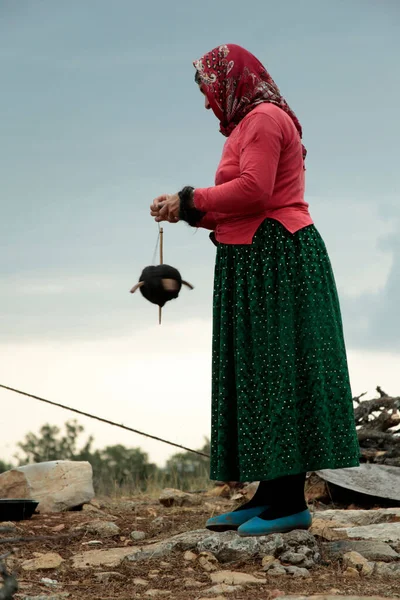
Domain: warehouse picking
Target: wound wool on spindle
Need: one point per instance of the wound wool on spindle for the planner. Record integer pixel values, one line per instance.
(160, 284)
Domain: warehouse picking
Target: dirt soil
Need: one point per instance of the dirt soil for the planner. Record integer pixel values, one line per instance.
(169, 573)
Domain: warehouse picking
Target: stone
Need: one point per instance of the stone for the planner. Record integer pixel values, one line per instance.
(213, 598)
(376, 551)
(56, 485)
(101, 558)
(156, 593)
(158, 524)
(391, 570)
(276, 570)
(297, 572)
(355, 560)
(48, 560)
(229, 547)
(267, 561)
(8, 527)
(235, 578)
(327, 530)
(104, 529)
(49, 582)
(140, 581)
(351, 572)
(300, 559)
(92, 543)
(357, 518)
(171, 497)
(107, 576)
(137, 536)
(89, 508)
(154, 574)
(384, 532)
(189, 556)
(222, 588)
(192, 583)
(275, 594)
(293, 558)
(208, 562)
(181, 542)
(300, 539)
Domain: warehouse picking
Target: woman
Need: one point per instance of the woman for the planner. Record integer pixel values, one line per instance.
(281, 399)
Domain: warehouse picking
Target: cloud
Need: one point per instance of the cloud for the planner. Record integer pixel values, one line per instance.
(362, 240)
(157, 380)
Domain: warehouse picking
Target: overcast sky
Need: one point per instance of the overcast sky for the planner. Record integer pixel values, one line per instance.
(99, 114)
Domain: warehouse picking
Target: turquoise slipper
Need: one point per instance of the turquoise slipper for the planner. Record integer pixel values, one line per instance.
(257, 526)
(233, 520)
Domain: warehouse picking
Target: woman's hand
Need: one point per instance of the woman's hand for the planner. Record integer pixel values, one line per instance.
(166, 208)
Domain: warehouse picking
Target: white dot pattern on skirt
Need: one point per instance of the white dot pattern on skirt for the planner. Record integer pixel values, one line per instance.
(281, 398)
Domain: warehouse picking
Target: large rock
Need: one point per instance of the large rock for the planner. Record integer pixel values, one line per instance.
(56, 485)
(357, 561)
(103, 529)
(385, 570)
(171, 497)
(236, 578)
(384, 532)
(182, 542)
(328, 530)
(374, 551)
(356, 518)
(49, 560)
(229, 547)
(101, 558)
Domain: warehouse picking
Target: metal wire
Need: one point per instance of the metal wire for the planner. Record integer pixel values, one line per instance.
(85, 414)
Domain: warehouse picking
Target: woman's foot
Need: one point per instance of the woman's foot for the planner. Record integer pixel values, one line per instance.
(260, 525)
(232, 520)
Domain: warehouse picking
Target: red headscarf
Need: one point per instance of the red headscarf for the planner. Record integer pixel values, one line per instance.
(235, 82)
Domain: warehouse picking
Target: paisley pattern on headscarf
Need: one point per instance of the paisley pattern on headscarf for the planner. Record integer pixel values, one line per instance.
(235, 82)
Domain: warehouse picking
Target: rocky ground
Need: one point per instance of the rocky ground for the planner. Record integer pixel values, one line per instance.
(140, 548)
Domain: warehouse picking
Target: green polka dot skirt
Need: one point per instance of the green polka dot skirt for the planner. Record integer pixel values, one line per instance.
(281, 398)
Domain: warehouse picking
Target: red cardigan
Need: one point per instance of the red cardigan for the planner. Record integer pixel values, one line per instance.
(260, 175)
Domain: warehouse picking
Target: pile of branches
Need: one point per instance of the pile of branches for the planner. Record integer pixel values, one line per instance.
(378, 428)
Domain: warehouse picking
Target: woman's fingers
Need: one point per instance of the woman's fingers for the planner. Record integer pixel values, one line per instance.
(165, 208)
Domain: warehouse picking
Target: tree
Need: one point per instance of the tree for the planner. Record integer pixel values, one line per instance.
(112, 466)
(185, 469)
(4, 466)
(48, 445)
(121, 466)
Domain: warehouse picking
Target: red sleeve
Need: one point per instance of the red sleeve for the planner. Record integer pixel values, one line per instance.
(209, 221)
(260, 144)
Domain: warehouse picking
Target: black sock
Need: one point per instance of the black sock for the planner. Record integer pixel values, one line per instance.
(286, 497)
(260, 498)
